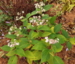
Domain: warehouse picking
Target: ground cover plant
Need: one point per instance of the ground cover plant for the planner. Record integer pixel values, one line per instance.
(38, 39)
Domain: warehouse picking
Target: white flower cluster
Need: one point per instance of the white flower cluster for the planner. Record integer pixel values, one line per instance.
(12, 28)
(37, 20)
(51, 41)
(15, 30)
(12, 44)
(40, 6)
(19, 16)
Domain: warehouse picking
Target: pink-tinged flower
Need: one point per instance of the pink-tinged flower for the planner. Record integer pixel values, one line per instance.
(52, 41)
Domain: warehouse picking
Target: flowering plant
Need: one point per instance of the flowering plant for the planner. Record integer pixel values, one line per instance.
(39, 38)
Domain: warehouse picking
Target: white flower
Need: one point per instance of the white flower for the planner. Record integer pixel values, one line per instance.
(42, 4)
(20, 28)
(39, 17)
(16, 43)
(9, 33)
(34, 16)
(34, 20)
(21, 17)
(8, 40)
(43, 10)
(11, 46)
(8, 44)
(31, 21)
(36, 5)
(46, 20)
(52, 41)
(43, 20)
(22, 11)
(41, 23)
(18, 13)
(43, 14)
(17, 34)
(10, 29)
(14, 39)
(46, 39)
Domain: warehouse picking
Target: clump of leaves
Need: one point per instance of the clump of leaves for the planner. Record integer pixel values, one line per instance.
(68, 5)
(38, 38)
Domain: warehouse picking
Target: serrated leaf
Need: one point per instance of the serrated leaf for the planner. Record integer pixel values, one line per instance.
(33, 55)
(72, 40)
(52, 20)
(39, 46)
(12, 36)
(5, 48)
(20, 52)
(10, 53)
(13, 60)
(28, 15)
(47, 7)
(52, 35)
(62, 39)
(33, 34)
(56, 47)
(44, 34)
(34, 12)
(65, 33)
(45, 55)
(57, 28)
(50, 61)
(69, 45)
(46, 16)
(57, 60)
(43, 27)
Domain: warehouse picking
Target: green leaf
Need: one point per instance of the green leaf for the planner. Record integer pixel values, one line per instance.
(44, 34)
(24, 45)
(72, 40)
(57, 28)
(39, 46)
(43, 27)
(33, 55)
(10, 53)
(5, 48)
(52, 35)
(23, 20)
(29, 61)
(34, 12)
(25, 23)
(28, 15)
(69, 45)
(13, 60)
(33, 34)
(62, 39)
(50, 60)
(57, 47)
(46, 16)
(57, 60)
(29, 26)
(47, 7)
(12, 36)
(65, 33)
(45, 55)
(52, 20)
(20, 52)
